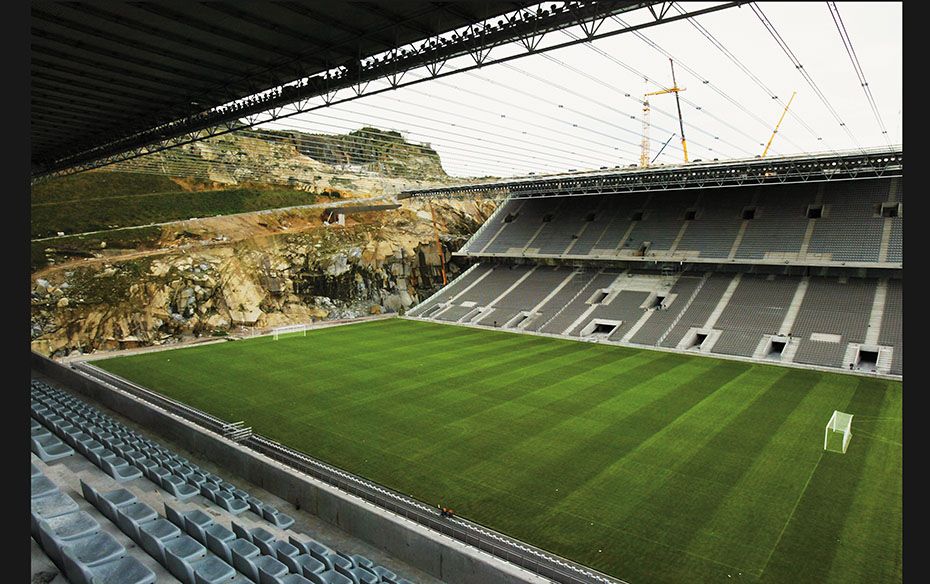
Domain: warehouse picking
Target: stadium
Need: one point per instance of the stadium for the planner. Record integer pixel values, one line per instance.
(270, 351)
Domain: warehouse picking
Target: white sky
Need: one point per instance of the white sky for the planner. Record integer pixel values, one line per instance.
(569, 108)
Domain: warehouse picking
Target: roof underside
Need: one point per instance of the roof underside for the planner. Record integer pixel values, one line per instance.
(102, 70)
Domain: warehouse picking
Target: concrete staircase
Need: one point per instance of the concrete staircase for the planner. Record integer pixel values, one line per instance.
(724, 300)
(694, 294)
(877, 313)
(571, 301)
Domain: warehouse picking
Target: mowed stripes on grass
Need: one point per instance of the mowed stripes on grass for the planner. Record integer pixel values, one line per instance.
(651, 466)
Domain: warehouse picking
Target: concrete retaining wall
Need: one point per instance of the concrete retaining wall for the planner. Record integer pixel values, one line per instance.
(427, 550)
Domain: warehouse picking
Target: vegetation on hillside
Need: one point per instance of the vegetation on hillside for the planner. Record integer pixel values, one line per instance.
(70, 246)
(91, 185)
(85, 212)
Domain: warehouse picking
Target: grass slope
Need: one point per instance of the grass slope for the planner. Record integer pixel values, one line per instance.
(651, 466)
(96, 201)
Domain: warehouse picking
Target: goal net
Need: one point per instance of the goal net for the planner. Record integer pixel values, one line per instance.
(838, 432)
(294, 328)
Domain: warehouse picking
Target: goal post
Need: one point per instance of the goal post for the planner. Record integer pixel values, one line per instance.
(838, 432)
(294, 328)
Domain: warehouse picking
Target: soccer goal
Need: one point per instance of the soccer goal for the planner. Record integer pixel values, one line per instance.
(294, 328)
(838, 433)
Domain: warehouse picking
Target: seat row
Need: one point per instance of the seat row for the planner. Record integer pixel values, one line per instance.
(316, 561)
(187, 560)
(76, 542)
(46, 445)
(255, 554)
(124, 454)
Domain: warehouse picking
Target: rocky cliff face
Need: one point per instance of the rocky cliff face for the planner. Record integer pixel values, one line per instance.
(367, 149)
(377, 262)
(370, 161)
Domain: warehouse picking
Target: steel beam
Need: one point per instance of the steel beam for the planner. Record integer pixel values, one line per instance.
(478, 39)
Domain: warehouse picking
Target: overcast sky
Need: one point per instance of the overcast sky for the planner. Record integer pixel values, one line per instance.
(581, 107)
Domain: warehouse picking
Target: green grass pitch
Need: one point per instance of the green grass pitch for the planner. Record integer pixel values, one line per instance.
(651, 466)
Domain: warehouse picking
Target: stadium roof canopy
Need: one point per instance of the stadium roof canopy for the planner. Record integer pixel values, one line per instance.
(106, 70)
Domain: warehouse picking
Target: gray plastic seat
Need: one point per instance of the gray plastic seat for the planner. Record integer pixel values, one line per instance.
(112, 441)
(329, 577)
(155, 535)
(229, 502)
(209, 490)
(195, 524)
(281, 520)
(360, 575)
(178, 487)
(196, 479)
(62, 427)
(50, 448)
(56, 532)
(125, 448)
(40, 432)
(244, 553)
(120, 469)
(110, 501)
(145, 464)
(97, 456)
(212, 570)
(41, 486)
(127, 570)
(35, 471)
(131, 455)
(81, 440)
(294, 579)
(74, 439)
(218, 539)
(131, 517)
(172, 466)
(149, 470)
(284, 550)
(180, 554)
(342, 562)
(95, 549)
(241, 532)
(303, 564)
(269, 569)
(159, 474)
(91, 446)
(175, 516)
(212, 478)
(384, 574)
(90, 494)
(53, 505)
(255, 505)
(264, 539)
(318, 551)
(360, 560)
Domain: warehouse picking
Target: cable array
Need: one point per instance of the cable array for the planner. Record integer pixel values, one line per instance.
(742, 67)
(476, 145)
(800, 68)
(847, 44)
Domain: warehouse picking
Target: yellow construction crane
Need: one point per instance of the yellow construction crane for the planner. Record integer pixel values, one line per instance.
(787, 105)
(644, 154)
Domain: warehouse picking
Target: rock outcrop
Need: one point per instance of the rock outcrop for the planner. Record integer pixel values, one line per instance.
(379, 262)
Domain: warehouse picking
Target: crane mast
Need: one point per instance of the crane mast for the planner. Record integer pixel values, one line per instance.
(787, 105)
(644, 152)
